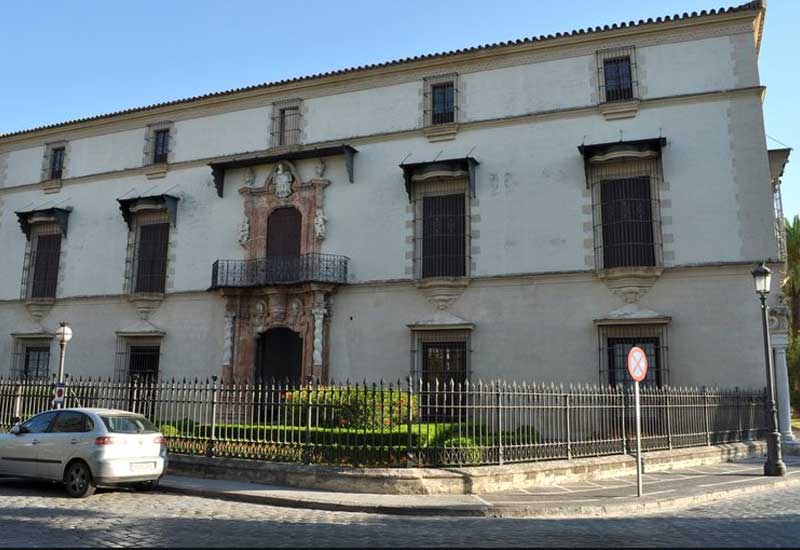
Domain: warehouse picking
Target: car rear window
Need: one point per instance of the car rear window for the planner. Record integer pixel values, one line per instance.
(128, 424)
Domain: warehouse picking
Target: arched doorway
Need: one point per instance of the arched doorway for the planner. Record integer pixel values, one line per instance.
(279, 356)
(284, 232)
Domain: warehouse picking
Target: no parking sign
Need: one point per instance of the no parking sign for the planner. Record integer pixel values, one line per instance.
(637, 368)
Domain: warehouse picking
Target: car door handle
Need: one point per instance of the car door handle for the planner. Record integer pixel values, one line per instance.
(35, 442)
(74, 442)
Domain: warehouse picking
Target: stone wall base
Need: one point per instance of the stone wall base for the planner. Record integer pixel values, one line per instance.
(466, 480)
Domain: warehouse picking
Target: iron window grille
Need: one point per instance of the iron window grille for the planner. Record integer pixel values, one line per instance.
(286, 123)
(148, 248)
(161, 146)
(626, 213)
(441, 100)
(440, 363)
(617, 79)
(441, 229)
(31, 359)
(41, 263)
(138, 357)
(615, 341)
(57, 162)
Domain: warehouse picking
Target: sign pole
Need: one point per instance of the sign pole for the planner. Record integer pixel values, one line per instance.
(637, 368)
(638, 439)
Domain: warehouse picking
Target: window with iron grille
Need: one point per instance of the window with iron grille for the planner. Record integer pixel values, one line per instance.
(45, 266)
(627, 219)
(441, 369)
(286, 118)
(151, 257)
(616, 341)
(143, 362)
(57, 162)
(441, 229)
(443, 103)
(626, 213)
(617, 74)
(441, 99)
(160, 146)
(31, 359)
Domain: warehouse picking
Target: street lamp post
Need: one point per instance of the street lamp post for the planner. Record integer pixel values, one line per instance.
(64, 335)
(774, 466)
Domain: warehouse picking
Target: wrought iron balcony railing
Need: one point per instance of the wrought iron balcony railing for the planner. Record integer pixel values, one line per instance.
(280, 270)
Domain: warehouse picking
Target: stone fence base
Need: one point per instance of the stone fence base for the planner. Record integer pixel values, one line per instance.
(465, 480)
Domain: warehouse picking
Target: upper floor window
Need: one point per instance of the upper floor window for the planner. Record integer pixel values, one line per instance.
(286, 118)
(45, 256)
(441, 229)
(441, 100)
(624, 179)
(443, 103)
(161, 146)
(54, 162)
(45, 230)
(151, 256)
(57, 163)
(616, 74)
(626, 211)
(158, 143)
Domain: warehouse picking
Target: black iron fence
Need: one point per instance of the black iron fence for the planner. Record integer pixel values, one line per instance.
(320, 268)
(408, 422)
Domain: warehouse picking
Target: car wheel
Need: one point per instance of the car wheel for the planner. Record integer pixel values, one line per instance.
(146, 485)
(78, 480)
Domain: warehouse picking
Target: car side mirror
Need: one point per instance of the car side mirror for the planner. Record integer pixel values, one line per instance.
(19, 429)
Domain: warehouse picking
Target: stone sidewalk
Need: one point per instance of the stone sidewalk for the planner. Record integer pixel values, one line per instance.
(607, 497)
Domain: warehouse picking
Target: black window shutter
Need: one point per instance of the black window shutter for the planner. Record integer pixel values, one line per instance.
(627, 219)
(161, 148)
(443, 236)
(443, 103)
(151, 269)
(45, 266)
(619, 84)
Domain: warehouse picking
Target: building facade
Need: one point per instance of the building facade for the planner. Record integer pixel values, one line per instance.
(527, 210)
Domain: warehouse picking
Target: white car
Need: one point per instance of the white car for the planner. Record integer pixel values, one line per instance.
(84, 448)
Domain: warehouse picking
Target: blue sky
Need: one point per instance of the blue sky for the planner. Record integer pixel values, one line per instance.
(64, 60)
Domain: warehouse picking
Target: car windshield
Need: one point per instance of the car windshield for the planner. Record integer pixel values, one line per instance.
(128, 424)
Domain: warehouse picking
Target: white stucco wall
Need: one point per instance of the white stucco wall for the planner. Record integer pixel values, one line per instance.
(106, 153)
(234, 132)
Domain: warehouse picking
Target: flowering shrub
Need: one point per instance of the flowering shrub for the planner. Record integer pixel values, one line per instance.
(355, 407)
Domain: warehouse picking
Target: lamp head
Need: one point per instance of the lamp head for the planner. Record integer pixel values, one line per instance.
(64, 333)
(762, 279)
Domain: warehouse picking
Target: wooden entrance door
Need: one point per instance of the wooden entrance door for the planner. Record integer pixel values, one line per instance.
(283, 232)
(279, 356)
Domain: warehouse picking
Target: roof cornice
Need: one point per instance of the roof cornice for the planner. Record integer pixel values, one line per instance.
(293, 87)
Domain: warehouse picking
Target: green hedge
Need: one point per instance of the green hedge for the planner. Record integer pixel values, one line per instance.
(353, 408)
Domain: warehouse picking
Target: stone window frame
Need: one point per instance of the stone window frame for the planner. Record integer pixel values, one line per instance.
(601, 56)
(436, 188)
(427, 91)
(147, 212)
(278, 108)
(148, 152)
(40, 227)
(20, 346)
(622, 169)
(48, 151)
(635, 328)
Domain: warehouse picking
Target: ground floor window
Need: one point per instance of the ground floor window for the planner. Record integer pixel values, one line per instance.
(31, 359)
(139, 358)
(616, 341)
(441, 370)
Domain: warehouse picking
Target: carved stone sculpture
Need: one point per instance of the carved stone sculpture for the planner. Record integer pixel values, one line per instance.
(319, 224)
(244, 232)
(283, 182)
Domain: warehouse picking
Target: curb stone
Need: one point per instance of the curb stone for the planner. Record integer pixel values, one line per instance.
(488, 509)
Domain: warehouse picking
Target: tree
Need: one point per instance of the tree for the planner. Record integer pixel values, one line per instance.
(791, 289)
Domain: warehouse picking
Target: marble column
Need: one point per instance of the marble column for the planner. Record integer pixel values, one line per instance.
(779, 343)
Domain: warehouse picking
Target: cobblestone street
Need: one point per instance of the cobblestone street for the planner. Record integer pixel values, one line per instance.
(36, 514)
